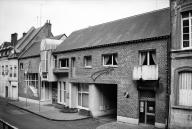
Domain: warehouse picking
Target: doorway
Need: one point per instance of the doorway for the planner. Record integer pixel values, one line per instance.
(54, 92)
(6, 91)
(147, 108)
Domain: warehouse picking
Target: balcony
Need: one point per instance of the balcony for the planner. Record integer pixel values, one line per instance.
(61, 70)
(145, 72)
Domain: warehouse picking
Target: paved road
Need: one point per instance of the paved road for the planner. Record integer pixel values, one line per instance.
(25, 120)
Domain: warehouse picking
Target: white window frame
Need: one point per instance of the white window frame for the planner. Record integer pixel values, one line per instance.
(62, 92)
(185, 89)
(86, 61)
(15, 71)
(81, 92)
(148, 57)
(112, 54)
(67, 65)
(28, 80)
(190, 31)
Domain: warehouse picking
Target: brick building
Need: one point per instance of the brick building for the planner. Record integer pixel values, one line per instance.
(181, 63)
(118, 67)
(28, 60)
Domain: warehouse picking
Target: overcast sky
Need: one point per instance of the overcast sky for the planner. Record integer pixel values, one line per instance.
(67, 16)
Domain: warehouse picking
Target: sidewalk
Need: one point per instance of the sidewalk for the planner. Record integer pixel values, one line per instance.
(47, 111)
(121, 125)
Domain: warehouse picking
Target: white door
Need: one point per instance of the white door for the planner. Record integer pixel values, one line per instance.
(14, 92)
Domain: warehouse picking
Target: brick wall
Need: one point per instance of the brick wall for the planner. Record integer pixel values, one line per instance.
(34, 67)
(128, 57)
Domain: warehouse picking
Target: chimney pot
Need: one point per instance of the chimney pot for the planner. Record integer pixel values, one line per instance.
(13, 38)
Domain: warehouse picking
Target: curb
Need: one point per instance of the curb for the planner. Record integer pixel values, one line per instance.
(45, 116)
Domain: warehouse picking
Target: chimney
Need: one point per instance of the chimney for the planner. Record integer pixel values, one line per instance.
(13, 39)
(24, 34)
(48, 24)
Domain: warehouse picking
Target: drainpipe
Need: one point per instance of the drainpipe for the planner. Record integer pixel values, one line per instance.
(169, 72)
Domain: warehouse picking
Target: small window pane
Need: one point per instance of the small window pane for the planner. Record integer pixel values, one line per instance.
(185, 36)
(185, 14)
(115, 59)
(185, 43)
(186, 30)
(185, 23)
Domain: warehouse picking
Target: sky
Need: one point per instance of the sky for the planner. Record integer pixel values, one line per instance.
(66, 16)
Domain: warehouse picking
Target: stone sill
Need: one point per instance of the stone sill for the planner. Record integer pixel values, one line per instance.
(182, 107)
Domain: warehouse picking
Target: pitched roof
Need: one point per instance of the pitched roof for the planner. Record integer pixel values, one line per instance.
(33, 50)
(27, 38)
(143, 26)
(59, 37)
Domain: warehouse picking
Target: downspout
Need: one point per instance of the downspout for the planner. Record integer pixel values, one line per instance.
(169, 72)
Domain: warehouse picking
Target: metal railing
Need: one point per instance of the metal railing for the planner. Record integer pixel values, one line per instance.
(5, 125)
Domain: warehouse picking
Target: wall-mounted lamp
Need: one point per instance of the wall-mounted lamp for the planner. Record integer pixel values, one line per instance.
(126, 94)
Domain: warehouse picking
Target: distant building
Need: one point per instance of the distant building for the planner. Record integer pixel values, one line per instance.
(7, 70)
(119, 67)
(181, 64)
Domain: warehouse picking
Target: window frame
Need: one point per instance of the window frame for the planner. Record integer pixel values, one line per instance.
(15, 71)
(21, 66)
(11, 71)
(85, 61)
(148, 57)
(66, 63)
(110, 54)
(81, 92)
(189, 18)
(29, 80)
(176, 84)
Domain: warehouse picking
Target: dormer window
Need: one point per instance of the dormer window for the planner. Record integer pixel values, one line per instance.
(186, 24)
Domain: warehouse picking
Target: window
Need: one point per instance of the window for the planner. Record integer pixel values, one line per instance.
(6, 70)
(64, 63)
(83, 95)
(15, 71)
(186, 29)
(185, 88)
(21, 66)
(87, 61)
(31, 79)
(147, 58)
(55, 60)
(110, 59)
(10, 72)
(44, 61)
(62, 92)
(3, 70)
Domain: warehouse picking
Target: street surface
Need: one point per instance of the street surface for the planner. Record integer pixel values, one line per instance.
(25, 120)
